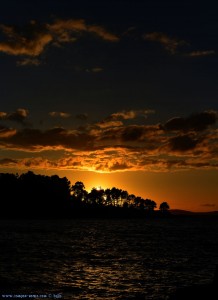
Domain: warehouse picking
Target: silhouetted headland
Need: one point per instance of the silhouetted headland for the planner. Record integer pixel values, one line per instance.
(38, 196)
(198, 291)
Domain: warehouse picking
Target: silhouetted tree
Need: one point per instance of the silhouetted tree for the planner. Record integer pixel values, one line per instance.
(31, 195)
(9, 194)
(78, 189)
(164, 206)
(95, 197)
(137, 201)
(150, 205)
(124, 197)
(108, 199)
(59, 194)
(43, 195)
(131, 200)
(115, 196)
(79, 196)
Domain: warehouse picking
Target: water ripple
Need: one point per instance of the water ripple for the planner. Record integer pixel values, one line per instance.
(107, 259)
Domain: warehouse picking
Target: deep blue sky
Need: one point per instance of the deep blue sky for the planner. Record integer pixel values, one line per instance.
(136, 73)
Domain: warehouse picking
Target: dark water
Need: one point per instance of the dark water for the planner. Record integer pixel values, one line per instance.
(106, 259)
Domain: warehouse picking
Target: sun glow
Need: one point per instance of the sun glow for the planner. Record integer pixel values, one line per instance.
(99, 187)
(98, 182)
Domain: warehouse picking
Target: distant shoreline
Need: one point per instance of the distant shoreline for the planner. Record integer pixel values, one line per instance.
(176, 212)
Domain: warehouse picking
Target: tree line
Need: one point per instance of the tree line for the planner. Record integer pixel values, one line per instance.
(31, 195)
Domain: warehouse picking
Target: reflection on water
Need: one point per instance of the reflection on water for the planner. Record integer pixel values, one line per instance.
(107, 259)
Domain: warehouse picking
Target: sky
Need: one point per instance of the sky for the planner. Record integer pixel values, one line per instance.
(113, 93)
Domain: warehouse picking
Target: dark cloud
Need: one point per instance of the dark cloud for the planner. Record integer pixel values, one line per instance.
(132, 133)
(202, 120)
(34, 139)
(183, 143)
(111, 134)
(19, 116)
(140, 133)
(196, 122)
(7, 161)
(176, 123)
(119, 133)
(176, 163)
(117, 166)
(82, 117)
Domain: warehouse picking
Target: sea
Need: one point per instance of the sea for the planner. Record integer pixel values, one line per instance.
(114, 259)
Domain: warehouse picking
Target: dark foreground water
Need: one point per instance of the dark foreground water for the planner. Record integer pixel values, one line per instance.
(105, 259)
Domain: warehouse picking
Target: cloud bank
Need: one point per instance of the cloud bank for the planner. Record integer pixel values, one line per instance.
(31, 40)
(174, 45)
(113, 144)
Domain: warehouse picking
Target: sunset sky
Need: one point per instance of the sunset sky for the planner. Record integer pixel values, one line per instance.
(113, 93)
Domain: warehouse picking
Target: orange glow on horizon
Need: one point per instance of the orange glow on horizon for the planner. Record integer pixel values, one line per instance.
(187, 190)
(181, 190)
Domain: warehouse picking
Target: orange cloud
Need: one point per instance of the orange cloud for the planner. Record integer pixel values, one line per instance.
(124, 115)
(114, 159)
(106, 124)
(29, 62)
(131, 114)
(70, 30)
(6, 132)
(201, 53)
(170, 44)
(32, 39)
(180, 143)
(18, 43)
(59, 114)
(62, 26)
(102, 33)
(3, 115)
